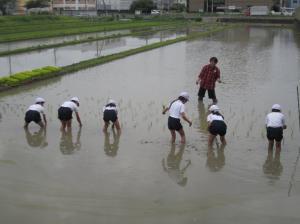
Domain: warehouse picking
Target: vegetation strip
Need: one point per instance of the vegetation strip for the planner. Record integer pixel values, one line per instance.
(14, 81)
(89, 39)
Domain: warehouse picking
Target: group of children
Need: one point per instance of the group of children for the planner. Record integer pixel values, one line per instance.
(275, 122)
(65, 114)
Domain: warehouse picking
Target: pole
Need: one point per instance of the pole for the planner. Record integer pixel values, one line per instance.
(207, 6)
(212, 6)
(298, 105)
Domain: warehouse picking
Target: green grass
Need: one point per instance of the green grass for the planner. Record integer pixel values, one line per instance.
(43, 73)
(15, 28)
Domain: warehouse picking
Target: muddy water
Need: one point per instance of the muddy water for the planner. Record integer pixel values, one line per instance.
(55, 40)
(75, 53)
(138, 177)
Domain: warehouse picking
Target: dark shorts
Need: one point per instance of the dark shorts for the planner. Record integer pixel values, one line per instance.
(174, 124)
(218, 128)
(110, 115)
(65, 113)
(274, 134)
(33, 115)
(211, 93)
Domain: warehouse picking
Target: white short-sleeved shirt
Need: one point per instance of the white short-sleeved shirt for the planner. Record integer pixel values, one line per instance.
(36, 107)
(110, 108)
(70, 105)
(176, 109)
(214, 117)
(275, 120)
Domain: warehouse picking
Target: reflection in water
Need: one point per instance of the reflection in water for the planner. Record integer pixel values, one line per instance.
(36, 139)
(202, 117)
(215, 160)
(67, 146)
(111, 149)
(272, 166)
(172, 166)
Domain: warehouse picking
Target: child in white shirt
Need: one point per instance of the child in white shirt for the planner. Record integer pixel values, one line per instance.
(110, 114)
(177, 110)
(216, 125)
(275, 123)
(34, 112)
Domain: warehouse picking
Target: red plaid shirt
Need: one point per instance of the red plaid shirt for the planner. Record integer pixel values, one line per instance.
(209, 76)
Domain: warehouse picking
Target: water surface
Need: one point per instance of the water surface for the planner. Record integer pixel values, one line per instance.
(139, 177)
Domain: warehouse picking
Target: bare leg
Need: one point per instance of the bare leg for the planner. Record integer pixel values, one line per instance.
(106, 124)
(69, 125)
(271, 144)
(26, 125)
(41, 124)
(211, 139)
(63, 126)
(223, 140)
(278, 148)
(182, 135)
(173, 134)
(118, 126)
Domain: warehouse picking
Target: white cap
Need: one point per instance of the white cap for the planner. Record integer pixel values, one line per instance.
(185, 95)
(39, 100)
(214, 108)
(111, 101)
(276, 107)
(75, 99)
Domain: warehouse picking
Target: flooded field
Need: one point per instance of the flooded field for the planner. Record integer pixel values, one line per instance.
(67, 55)
(55, 40)
(139, 177)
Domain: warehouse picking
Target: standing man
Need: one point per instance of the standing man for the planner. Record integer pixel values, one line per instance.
(207, 79)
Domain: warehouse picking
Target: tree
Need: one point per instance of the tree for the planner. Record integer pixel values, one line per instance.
(144, 5)
(36, 4)
(178, 7)
(5, 5)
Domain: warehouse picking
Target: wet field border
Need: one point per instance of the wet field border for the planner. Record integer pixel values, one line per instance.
(105, 59)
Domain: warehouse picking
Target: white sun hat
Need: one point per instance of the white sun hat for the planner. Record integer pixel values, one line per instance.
(39, 100)
(276, 107)
(75, 99)
(185, 95)
(214, 108)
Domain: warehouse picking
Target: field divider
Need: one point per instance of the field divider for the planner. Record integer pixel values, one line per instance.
(86, 40)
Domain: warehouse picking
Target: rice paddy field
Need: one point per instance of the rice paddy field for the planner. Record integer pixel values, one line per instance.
(87, 176)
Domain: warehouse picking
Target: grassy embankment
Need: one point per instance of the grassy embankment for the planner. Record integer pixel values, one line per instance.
(16, 28)
(21, 79)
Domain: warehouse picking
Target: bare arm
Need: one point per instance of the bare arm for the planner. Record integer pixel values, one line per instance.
(218, 76)
(184, 117)
(165, 109)
(78, 119)
(200, 75)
